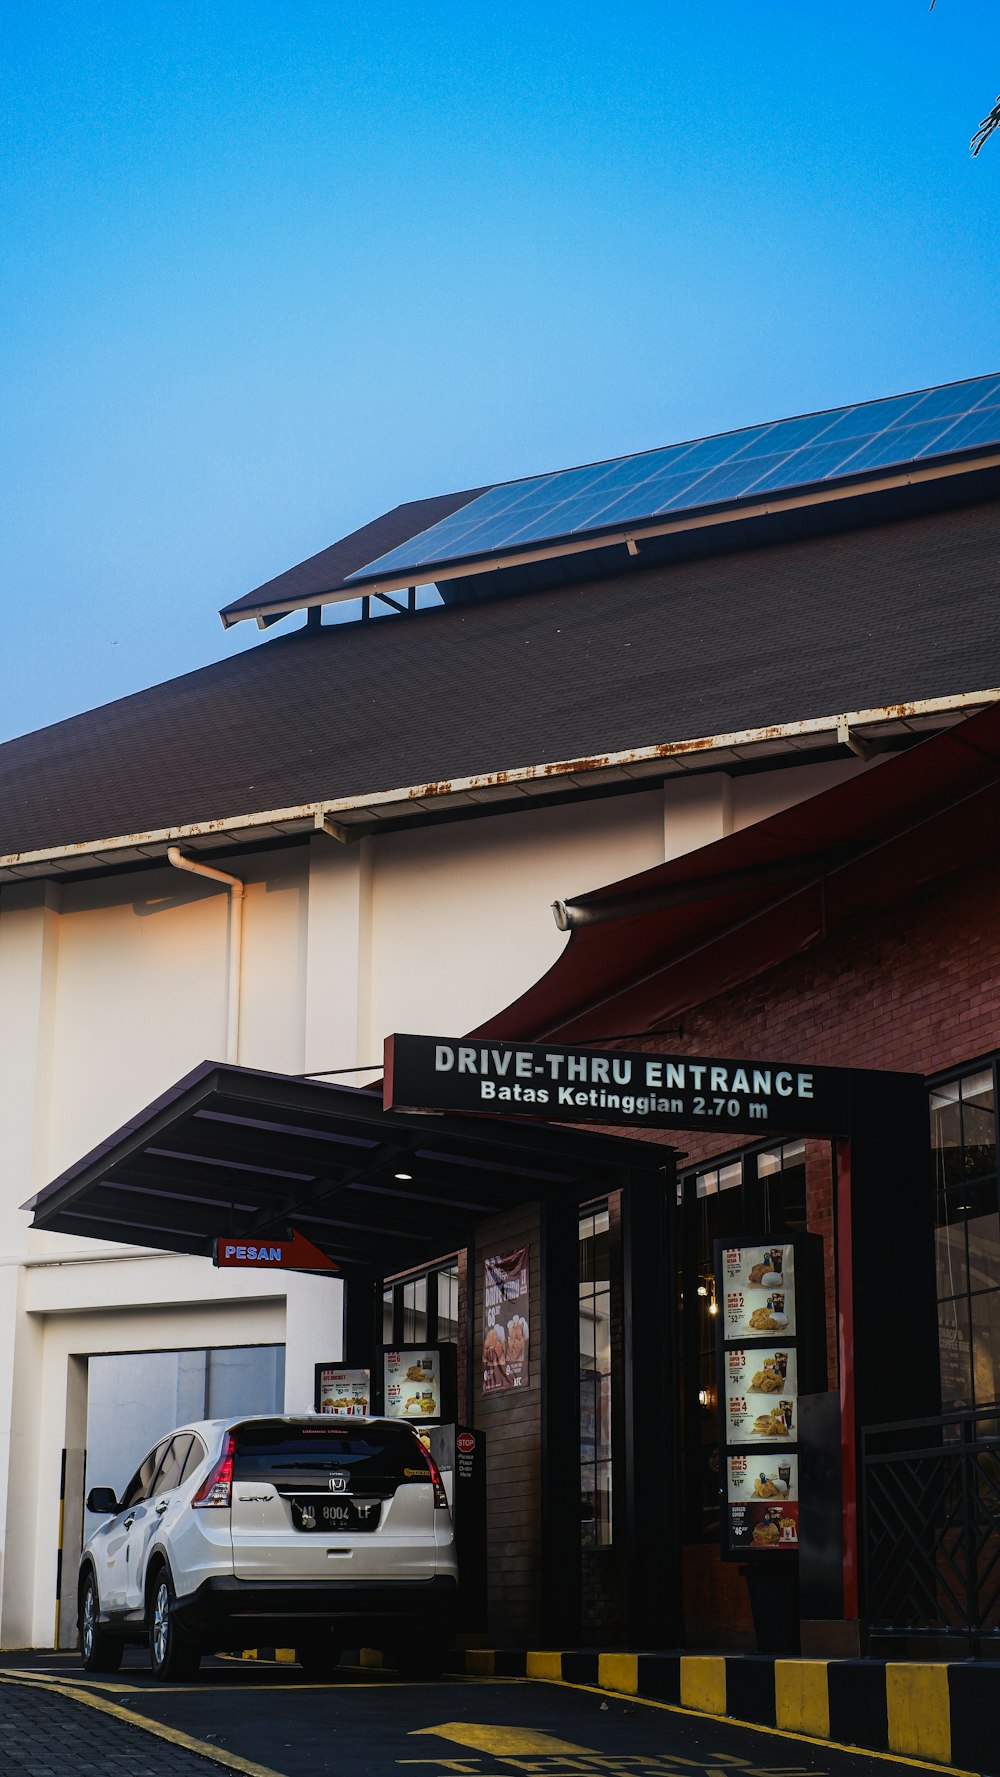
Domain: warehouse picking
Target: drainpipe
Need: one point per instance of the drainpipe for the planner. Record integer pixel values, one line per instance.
(237, 891)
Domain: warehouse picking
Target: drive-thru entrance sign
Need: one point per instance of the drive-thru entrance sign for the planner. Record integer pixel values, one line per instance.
(615, 1086)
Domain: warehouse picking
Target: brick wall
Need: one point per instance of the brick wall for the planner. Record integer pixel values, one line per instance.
(915, 989)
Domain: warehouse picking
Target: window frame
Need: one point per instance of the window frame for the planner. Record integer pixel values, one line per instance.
(596, 1468)
(958, 1306)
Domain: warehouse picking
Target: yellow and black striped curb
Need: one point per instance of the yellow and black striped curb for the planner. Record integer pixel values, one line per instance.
(945, 1713)
(942, 1712)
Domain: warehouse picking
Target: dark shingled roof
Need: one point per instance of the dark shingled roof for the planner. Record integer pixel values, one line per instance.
(328, 570)
(804, 629)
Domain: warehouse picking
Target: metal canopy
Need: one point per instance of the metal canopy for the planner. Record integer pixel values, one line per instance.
(230, 1150)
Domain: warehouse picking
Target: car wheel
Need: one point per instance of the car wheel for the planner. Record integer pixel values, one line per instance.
(99, 1651)
(172, 1654)
(319, 1659)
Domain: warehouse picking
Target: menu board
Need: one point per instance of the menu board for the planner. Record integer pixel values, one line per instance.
(761, 1399)
(344, 1393)
(412, 1384)
(758, 1291)
(758, 1397)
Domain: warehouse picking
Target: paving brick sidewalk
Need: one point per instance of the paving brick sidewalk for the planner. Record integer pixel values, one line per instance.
(45, 1735)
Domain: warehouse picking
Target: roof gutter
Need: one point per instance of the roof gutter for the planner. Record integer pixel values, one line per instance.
(328, 815)
(629, 537)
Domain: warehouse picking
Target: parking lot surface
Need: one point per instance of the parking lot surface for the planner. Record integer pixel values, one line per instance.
(268, 1721)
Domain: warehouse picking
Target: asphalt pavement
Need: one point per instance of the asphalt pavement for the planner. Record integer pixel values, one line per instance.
(269, 1721)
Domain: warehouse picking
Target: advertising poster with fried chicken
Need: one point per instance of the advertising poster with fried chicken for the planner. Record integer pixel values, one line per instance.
(761, 1395)
(505, 1321)
(758, 1291)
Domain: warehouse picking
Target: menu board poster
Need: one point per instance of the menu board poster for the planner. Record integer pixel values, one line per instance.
(761, 1394)
(769, 1475)
(345, 1393)
(412, 1384)
(754, 1524)
(758, 1291)
(506, 1331)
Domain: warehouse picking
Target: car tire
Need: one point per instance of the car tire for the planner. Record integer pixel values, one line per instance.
(99, 1651)
(172, 1653)
(319, 1659)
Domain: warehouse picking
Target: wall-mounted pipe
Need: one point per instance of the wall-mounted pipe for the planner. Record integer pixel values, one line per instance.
(237, 891)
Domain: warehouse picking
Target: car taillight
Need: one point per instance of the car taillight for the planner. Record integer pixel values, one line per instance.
(217, 1488)
(440, 1496)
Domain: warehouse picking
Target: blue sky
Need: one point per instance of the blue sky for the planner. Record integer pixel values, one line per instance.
(269, 269)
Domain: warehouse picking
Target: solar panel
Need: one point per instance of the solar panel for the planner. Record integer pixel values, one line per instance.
(809, 448)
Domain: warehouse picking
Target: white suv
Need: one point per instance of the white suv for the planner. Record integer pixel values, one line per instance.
(312, 1533)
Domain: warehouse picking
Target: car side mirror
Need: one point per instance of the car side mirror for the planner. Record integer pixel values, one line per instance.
(103, 1500)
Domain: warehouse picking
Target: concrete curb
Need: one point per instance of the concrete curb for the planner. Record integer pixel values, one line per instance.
(944, 1713)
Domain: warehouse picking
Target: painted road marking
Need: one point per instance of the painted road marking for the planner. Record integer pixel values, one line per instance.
(502, 1742)
(508, 1749)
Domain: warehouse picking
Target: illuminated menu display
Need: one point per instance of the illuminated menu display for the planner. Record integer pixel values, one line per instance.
(412, 1383)
(346, 1394)
(758, 1397)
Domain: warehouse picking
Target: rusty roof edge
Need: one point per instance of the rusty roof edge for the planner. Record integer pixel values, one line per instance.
(326, 810)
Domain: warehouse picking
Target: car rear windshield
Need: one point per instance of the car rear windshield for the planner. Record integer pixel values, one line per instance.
(298, 1453)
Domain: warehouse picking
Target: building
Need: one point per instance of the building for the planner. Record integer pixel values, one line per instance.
(629, 664)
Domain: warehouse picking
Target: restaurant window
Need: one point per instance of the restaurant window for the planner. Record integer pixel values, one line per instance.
(595, 1378)
(422, 1305)
(967, 1235)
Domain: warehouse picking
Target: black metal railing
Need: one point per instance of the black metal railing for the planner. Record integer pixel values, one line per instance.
(930, 1501)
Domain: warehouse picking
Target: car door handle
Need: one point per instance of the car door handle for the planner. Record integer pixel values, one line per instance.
(164, 1506)
(128, 1522)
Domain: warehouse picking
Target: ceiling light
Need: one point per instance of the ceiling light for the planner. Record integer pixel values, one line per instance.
(403, 1175)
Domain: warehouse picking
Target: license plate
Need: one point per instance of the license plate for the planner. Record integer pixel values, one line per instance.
(324, 1514)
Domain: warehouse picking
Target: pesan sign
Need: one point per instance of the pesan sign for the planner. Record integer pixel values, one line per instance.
(614, 1086)
(236, 1253)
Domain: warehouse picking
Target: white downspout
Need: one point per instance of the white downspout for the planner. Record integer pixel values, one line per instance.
(237, 891)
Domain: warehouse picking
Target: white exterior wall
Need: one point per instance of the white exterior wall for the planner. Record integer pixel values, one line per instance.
(112, 989)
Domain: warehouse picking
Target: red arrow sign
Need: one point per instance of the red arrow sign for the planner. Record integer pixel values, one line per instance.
(296, 1254)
